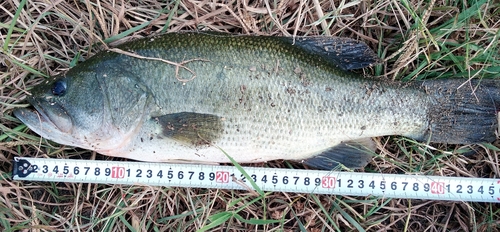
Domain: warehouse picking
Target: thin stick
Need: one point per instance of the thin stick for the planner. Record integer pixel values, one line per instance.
(177, 65)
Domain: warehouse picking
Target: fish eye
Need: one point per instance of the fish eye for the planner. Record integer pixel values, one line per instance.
(59, 88)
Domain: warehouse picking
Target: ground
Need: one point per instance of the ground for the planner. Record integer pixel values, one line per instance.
(415, 40)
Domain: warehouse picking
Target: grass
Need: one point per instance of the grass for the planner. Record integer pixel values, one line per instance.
(417, 40)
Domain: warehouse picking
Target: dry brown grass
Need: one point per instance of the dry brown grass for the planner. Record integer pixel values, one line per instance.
(415, 39)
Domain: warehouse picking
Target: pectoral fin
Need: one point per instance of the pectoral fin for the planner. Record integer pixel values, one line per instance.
(193, 129)
(352, 154)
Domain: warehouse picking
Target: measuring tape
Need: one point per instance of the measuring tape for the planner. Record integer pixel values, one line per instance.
(265, 179)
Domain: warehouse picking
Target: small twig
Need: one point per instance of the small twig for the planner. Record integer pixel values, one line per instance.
(177, 65)
(244, 185)
(319, 12)
(17, 143)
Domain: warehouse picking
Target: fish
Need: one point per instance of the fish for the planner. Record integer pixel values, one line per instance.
(196, 97)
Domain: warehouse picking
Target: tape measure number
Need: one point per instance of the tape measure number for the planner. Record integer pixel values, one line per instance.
(267, 179)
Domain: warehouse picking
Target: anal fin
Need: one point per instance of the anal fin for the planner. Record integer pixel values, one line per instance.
(351, 154)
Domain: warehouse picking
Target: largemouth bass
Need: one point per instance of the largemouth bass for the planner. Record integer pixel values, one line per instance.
(185, 97)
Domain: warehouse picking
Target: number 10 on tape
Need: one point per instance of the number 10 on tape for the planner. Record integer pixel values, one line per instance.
(267, 179)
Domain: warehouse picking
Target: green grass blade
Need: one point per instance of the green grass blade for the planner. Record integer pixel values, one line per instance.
(170, 16)
(216, 220)
(257, 221)
(348, 217)
(245, 174)
(12, 25)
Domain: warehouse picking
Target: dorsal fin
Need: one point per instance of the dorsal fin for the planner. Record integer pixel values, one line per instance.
(345, 53)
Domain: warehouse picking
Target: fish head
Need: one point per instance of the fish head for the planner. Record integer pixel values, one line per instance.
(97, 107)
(66, 110)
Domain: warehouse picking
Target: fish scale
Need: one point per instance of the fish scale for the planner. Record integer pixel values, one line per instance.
(219, 93)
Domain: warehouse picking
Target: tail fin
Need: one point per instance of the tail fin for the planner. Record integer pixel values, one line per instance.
(464, 112)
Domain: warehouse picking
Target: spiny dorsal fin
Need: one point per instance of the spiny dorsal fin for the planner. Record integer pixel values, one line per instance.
(352, 154)
(346, 53)
(190, 128)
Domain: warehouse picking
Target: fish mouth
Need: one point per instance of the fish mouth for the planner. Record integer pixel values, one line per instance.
(45, 118)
